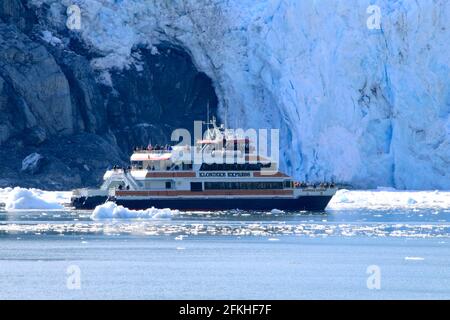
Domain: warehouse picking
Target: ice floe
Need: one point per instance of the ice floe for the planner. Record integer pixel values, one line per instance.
(414, 258)
(110, 210)
(273, 232)
(388, 198)
(29, 199)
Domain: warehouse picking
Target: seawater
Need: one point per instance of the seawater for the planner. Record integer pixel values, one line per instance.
(226, 255)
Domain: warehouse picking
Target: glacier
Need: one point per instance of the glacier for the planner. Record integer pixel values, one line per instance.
(359, 106)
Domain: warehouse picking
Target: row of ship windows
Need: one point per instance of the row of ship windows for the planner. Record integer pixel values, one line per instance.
(208, 167)
(246, 185)
(139, 165)
(234, 167)
(197, 186)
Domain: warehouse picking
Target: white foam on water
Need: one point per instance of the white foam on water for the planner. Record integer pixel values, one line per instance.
(111, 210)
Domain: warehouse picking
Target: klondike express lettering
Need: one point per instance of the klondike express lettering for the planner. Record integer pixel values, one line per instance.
(224, 174)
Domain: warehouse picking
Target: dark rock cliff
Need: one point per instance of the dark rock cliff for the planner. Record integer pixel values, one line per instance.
(52, 103)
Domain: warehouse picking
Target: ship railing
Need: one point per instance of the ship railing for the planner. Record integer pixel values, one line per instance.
(120, 174)
(130, 179)
(314, 186)
(154, 151)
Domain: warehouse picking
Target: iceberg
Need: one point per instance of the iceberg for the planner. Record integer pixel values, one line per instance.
(28, 199)
(358, 105)
(110, 210)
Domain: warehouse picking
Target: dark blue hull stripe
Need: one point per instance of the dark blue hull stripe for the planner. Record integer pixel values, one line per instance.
(306, 203)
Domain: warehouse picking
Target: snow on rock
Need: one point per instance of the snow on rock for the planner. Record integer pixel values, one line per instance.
(367, 107)
(48, 37)
(32, 163)
(110, 210)
(386, 198)
(26, 199)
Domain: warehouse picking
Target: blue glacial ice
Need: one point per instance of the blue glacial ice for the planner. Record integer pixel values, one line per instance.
(370, 107)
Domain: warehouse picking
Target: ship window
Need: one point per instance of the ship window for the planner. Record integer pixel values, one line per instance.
(137, 164)
(288, 184)
(196, 186)
(168, 185)
(186, 166)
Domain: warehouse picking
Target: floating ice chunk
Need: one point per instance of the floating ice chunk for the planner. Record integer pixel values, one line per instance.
(388, 198)
(276, 211)
(110, 210)
(25, 199)
(414, 258)
(341, 197)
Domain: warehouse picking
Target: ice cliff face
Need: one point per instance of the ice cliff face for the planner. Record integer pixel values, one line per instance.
(366, 107)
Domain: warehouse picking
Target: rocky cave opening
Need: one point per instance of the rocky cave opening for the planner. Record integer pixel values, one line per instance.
(161, 91)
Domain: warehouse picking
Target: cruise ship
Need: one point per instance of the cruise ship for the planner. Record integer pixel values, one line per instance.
(170, 177)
